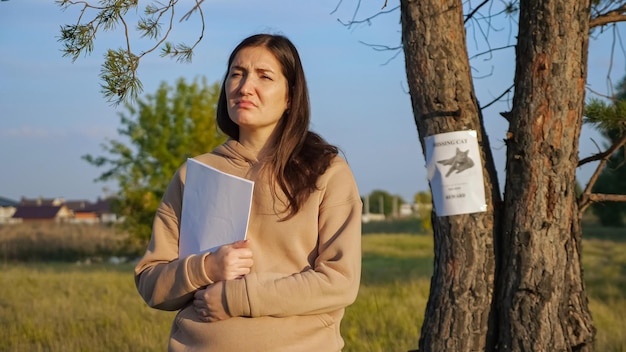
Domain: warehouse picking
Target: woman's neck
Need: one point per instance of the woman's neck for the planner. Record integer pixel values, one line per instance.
(255, 143)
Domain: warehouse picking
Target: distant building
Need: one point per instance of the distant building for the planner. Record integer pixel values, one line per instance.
(59, 210)
(406, 209)
(6, 202)
(75, 205)
(39, 213)
(41, 201)
(7, 209)
(419, 208)
(98, 212)
(367, 217)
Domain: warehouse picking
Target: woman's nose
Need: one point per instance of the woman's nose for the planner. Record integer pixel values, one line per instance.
(246, 86)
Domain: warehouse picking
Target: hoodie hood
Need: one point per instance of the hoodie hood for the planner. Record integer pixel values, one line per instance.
(236, 153)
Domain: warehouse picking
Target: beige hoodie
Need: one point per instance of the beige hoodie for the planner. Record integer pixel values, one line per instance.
(306, 269)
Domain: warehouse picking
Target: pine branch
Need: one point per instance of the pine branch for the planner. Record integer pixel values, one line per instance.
(119, 71)
(604, 156)
(587, 198)
(616, 15)
(599, 197)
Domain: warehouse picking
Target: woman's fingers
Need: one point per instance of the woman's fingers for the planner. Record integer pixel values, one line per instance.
(208, 303)
(240, 244)
(229, 262)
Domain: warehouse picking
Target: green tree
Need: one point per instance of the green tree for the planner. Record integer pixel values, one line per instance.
(162, 131)
(382, 199)
(609, 118)
(423, 207)
(424, 197)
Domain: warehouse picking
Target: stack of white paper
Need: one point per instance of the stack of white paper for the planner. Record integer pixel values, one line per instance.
(216, 209)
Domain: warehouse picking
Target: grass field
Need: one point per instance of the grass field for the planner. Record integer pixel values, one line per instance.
(72, 307)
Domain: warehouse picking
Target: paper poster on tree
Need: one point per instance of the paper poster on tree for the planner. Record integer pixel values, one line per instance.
(455, 173)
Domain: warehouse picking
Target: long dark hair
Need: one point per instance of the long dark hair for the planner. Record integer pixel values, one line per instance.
(297, 156)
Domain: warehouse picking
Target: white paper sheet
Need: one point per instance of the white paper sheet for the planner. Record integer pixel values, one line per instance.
(455, 173)
(216, 209)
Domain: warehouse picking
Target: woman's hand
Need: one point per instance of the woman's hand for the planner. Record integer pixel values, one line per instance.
(209, 303)
(229, 262)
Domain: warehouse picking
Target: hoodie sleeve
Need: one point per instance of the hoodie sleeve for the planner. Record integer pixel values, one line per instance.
(334, 280)
(164, 281)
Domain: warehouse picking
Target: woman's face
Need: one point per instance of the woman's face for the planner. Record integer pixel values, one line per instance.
(256, 91)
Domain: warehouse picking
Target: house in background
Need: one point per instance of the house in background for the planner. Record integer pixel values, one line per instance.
(39, 213)
(41, 201)
(59, 210)
(7, 209)
(81, 213)
(91, 213)
(41, 209)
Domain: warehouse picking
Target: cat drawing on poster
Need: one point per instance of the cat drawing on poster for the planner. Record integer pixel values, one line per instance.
(454, 172)
(459, 162)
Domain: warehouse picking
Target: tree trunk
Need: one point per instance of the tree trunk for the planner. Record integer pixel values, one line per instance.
(542, 302)
(459, 310)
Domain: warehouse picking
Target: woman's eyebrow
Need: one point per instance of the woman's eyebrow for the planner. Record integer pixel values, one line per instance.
(258, 69)
(264, 70)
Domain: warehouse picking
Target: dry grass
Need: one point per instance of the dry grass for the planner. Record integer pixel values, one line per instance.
(46, 306)
(31, 242)
(69, 307)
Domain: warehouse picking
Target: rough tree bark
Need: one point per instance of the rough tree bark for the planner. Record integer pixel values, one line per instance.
(519, 286)
(459, 310)
(542, 304)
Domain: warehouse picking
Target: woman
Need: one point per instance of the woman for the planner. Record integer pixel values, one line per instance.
(286, 287)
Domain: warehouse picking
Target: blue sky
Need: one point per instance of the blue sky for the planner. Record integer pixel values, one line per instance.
(52, 111)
